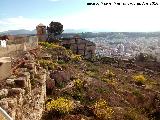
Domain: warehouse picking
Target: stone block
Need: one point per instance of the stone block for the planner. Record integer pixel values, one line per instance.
(3, 93)
(10, 82)
(5, 67)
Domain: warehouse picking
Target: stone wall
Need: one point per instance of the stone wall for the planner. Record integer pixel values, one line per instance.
(80, 46)
(19, 45)
(19, 98)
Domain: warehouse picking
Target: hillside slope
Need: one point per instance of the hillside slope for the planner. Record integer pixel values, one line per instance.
(80, 89)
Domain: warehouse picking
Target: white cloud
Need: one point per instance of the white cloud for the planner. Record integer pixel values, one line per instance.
(117, 19)
(20, 23)
(96, 18)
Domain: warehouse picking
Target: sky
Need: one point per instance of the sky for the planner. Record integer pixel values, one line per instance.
(76, 14)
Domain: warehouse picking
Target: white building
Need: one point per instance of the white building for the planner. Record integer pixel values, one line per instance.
(3, 43)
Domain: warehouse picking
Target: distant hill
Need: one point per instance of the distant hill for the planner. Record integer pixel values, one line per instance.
(18, 32)
(24, 32)
(84, 34)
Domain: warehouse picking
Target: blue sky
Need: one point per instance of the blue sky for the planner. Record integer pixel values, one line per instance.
(75, 14)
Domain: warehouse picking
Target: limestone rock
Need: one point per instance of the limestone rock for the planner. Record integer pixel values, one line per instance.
(3, 93)
(60, 77)
(10, 82)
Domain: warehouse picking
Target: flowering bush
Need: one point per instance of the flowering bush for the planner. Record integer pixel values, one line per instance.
(47, 64)
(78, 83)
(45, 44)
(76, 58)
(56, 50)
(139, 79)
(50, 45)
(60, 105)
(102, 110)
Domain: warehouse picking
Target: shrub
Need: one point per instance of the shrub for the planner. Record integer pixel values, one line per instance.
(138, 94)
(109, 74)
(102, 110)
(78, 83)
(60, 105)
(50, 45)
(139, 79)
(45, 44)
(61, 62)
(77, 95)
(76, 58)
(90, 73)
(47, 64)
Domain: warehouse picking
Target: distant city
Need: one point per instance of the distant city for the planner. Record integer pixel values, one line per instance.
(126, 47)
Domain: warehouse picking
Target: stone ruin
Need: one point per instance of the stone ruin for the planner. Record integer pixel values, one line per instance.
(77, 44)
(17, 96)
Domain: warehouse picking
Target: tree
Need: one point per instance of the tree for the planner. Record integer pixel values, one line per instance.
(54, 29)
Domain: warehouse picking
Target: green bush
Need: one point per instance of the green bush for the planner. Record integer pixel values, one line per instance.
(61, 62)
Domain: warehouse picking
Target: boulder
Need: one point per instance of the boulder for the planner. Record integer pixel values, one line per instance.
(60, 77)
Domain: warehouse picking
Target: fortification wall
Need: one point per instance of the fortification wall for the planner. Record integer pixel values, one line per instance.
(20, 99)
(19, 45)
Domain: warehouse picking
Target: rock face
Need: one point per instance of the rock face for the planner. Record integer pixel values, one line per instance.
(20, 100)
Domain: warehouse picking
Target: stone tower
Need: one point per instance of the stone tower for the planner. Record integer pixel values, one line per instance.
(41, 32)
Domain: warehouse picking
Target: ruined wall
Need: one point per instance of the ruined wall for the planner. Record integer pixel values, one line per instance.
(19, 45)
(80, 46)
(19, 98)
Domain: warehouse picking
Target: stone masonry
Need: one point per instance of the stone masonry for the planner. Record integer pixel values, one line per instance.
(19, 99)
(80, 46)
(76, 44)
